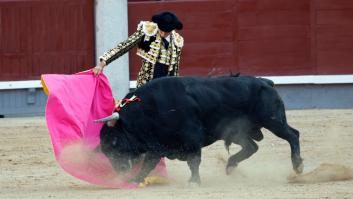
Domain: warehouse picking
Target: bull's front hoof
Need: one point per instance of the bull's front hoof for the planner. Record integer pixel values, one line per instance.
(299, 168)
(194, 181)
(194, 184)
(136, 180)
(230, 169)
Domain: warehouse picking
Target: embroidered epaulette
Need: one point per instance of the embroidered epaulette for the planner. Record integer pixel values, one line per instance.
(147, 27)
(178, 39)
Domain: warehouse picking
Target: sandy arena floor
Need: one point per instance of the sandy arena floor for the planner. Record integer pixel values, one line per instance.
(29, 170)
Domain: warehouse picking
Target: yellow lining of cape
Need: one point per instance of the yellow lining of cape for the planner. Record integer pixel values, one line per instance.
(153, 180)
(45, 88)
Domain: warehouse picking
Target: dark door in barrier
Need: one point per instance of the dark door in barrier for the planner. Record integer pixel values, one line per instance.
(41, 36)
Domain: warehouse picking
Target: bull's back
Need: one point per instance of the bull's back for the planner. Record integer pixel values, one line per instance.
(172, 100)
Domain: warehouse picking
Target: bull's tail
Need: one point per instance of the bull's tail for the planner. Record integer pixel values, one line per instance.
(227, 143)
(267, 81)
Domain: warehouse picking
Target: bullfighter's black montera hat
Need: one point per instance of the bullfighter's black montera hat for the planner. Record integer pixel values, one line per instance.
(167, 21)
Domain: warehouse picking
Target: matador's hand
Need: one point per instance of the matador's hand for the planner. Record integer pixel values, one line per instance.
(117, 103)
(99, 68)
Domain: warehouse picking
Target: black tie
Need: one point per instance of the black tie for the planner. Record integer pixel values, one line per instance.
(165, 43)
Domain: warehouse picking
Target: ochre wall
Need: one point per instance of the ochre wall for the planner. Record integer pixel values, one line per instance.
(258, 37)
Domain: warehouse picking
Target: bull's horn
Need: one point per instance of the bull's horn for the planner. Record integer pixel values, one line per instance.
(114, 116)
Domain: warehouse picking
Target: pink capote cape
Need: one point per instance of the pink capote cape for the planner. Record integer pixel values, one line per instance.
(74, 102)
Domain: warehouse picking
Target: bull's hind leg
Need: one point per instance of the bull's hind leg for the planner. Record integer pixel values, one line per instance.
(249, 147)
(272, 116)
(284, 131)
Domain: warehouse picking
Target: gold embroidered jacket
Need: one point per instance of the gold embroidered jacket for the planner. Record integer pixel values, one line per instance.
(150, 49)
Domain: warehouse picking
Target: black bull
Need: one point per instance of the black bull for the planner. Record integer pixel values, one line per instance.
(177, 116)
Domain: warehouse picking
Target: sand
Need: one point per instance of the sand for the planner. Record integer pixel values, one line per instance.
(29, 169)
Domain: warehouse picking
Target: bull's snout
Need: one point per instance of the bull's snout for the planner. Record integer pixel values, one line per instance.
(122, 167)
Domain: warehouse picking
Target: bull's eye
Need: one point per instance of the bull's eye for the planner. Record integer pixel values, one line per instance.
(115, 140)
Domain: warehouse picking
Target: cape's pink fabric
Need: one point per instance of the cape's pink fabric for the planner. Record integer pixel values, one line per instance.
(74, 102)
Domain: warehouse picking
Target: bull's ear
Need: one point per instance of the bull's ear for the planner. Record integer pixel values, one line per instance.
(98, 149)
